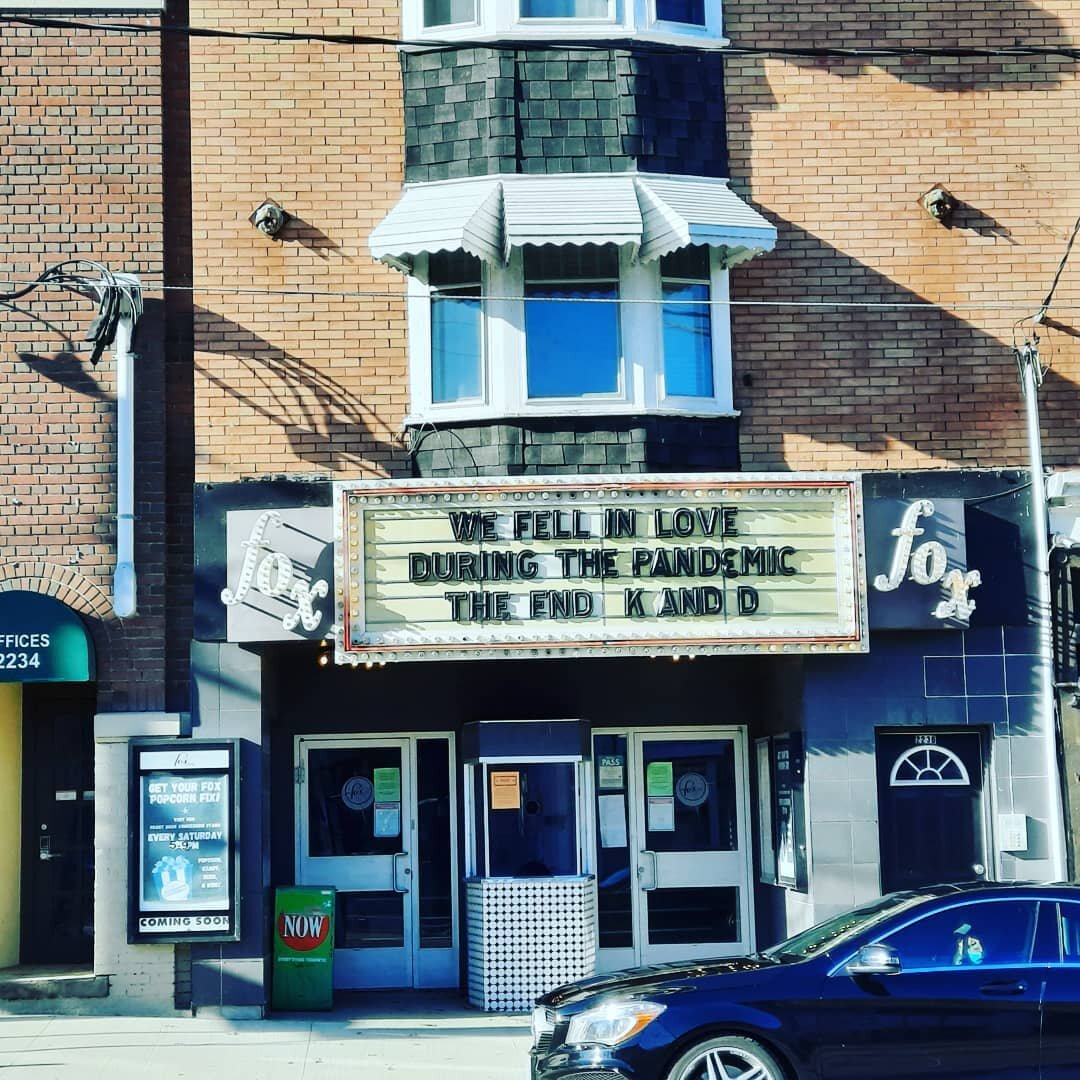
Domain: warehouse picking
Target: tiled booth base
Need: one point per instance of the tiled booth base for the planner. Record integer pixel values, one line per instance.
(527, 936)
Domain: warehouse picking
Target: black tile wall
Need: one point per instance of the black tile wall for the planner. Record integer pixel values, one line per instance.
(475, 111)
(579, 445)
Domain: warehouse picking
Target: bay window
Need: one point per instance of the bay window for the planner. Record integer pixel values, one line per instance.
(673, 21)
(457, 350)
(571, 322)
(569, 329)
(449, 12)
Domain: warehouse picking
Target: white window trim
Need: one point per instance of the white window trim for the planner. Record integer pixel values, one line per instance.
(42, 6)
(498, 19)
(504, 371)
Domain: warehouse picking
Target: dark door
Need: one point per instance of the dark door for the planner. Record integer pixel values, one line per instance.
(58, 825)
(930, 807)
(965, 1004)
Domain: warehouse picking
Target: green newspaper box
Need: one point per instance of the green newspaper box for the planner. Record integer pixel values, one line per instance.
(303, 948)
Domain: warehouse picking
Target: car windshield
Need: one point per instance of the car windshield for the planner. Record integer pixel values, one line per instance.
(840, 927)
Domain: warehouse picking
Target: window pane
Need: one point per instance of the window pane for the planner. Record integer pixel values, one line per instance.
(688, 367)
(614, 875)
(993, 933)
(433, 812)
(681, 11)
(370, 920)
(455, 345)
(341, 806)
(571, 349)
(537, 837)
(690, 916)
(564, 9)
(448, 12)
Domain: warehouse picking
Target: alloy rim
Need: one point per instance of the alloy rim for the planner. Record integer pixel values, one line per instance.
(726, 1063)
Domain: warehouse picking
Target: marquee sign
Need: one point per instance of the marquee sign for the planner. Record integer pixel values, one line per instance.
(571, 566)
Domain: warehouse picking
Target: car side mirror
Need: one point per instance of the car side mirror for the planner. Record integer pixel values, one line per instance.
(874, 960)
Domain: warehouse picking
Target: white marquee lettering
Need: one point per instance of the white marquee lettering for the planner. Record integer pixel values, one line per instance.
(274, 575)
(927, 564)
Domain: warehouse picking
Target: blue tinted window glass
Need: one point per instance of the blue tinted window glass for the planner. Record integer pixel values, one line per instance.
(681, 11)
(688, 366)
(448, 12)
(564, 9)
(455, 345)
(571, 349)
(992, 933)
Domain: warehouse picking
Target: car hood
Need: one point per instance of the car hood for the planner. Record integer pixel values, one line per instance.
(643, 979)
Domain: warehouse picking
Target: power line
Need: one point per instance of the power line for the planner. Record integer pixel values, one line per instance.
(383, 294)
(871, 52)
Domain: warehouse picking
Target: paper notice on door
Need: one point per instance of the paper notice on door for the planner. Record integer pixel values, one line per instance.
(506, 790)
(661, 814)
(659, 779)
(388, 819)
(387, 783)
(610, 772)
(612, 821)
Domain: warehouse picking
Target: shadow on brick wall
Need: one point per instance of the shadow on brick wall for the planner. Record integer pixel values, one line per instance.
(327, 423)
(880, 380)
(968, 25)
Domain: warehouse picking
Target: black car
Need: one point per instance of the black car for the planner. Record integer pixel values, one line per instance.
(960, 981)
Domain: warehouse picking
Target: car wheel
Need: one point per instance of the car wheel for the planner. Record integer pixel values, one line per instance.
(729, 1057)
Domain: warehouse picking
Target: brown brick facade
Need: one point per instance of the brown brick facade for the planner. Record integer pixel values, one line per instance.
(81, 175)
(300, 363)
(836, 153)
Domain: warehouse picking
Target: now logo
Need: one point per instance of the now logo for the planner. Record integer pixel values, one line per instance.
(303, 932)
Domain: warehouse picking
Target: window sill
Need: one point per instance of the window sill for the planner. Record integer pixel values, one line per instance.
(558, 32)
(434, 417)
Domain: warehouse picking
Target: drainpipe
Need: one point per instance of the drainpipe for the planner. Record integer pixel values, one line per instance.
(124, 580)
(1027, 359)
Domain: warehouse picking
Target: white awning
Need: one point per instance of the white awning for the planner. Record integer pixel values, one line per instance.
(490, 216)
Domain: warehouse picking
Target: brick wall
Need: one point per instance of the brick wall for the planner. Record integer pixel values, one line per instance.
(306, 373)
(300, 362)
(838, 154)
(80, 176)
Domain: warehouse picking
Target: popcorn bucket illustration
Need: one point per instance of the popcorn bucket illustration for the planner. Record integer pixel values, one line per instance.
(172, 875)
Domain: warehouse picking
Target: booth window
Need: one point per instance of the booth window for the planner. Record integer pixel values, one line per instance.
(537, 837)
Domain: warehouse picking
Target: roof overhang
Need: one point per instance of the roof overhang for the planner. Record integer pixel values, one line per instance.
(490, 216)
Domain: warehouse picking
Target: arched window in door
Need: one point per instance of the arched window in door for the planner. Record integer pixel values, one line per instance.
(922, 765)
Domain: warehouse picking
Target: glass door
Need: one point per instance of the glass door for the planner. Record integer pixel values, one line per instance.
(354, 836)
(673, 862)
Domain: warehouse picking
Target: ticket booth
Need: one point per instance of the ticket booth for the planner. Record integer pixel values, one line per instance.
(531, 902)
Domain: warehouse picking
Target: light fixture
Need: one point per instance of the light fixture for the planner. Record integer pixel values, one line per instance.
(270, 218)
(939, 203)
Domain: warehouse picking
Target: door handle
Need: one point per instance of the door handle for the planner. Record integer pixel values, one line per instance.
(400, 872)
(649, 856)
(1004, 988)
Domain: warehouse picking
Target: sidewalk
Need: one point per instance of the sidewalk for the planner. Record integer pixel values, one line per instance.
(401, 1037)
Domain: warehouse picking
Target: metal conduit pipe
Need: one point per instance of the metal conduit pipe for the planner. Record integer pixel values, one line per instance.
(125, 584)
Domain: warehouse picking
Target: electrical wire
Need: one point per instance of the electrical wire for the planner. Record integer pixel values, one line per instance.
(107, 290)
(386, 294)
(1033, 52)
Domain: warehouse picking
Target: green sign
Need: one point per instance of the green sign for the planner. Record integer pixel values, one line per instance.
(387, 785)
(658, 778)
(42, 640)
(303, 948)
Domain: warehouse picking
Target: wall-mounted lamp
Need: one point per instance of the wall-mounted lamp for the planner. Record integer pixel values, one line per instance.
(270, 218)
(939, 203)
